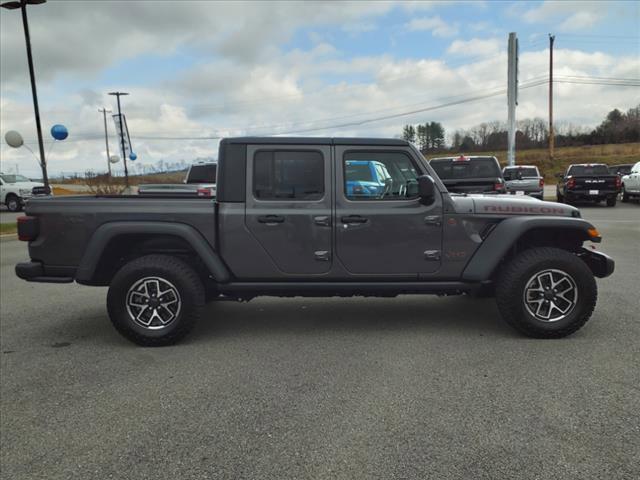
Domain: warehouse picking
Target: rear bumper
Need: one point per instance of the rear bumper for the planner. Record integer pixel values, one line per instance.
(585, 195)
(36, 272)
(601, 264)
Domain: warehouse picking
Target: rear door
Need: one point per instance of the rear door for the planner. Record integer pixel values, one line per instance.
(288, 205)
(388, 233)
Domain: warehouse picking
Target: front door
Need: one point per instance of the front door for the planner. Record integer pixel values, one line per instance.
(382, 228)
(288, 205)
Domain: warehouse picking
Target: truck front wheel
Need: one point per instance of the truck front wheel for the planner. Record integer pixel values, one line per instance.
(546, 293)
(13, 203)
(155, 300)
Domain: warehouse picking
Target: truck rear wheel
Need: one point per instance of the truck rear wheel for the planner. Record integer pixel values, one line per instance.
(611, 201)
(546, 293)
(155, 300)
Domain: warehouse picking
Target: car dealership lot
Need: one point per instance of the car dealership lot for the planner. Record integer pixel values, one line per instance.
(412, 387)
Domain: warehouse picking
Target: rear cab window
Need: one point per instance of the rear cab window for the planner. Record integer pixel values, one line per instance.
(516, 173)
(202, 173)
(288, 175)
(466, 167)
(587, 170)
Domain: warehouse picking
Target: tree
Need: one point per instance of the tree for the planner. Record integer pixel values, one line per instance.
(436, 138)
(409, 133)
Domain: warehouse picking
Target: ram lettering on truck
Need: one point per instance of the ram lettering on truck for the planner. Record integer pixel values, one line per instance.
(288, 221)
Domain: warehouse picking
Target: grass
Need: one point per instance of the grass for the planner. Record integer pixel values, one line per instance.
(8, 228)
(611, 154)
(167, 177)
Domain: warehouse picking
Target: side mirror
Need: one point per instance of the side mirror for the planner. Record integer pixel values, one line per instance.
(426, 188)
(559, 175)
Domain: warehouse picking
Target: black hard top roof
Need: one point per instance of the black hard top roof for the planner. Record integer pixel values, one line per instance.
(316, 141)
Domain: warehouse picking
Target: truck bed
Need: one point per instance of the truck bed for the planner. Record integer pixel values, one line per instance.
(68, 223)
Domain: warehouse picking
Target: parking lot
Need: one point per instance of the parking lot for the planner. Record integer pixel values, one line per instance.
(412, 387)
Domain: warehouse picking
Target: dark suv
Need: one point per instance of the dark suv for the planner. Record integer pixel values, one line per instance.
(464, 174)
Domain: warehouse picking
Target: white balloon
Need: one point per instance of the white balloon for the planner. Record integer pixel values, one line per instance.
(114, 158)
(14, 139)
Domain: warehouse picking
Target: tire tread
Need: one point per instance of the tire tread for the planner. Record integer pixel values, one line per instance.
(508, 298)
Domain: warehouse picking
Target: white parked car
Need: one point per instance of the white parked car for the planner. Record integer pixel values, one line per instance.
(16, 189)
(631, 184)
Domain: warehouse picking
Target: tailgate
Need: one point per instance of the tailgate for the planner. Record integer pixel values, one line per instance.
(525, 185)
(596, 183)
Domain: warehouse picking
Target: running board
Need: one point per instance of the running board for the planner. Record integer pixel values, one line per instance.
(293, 289)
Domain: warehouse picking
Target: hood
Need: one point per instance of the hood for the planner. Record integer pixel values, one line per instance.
(25, 184)
(510, 205)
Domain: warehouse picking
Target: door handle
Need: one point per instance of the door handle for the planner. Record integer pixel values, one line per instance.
(322, 221)
(354, 219)
(433, 220)
(271, 219)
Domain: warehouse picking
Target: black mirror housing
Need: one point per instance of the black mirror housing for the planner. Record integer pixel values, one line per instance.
(426, 188)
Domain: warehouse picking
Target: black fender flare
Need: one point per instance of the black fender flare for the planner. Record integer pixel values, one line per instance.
(506, 233)
(108, 231)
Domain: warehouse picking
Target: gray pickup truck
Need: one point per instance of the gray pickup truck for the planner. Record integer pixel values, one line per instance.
(287, 221)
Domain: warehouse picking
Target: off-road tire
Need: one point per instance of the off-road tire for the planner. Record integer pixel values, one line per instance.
(13, 203)
(515, 275)
(170, 269)
(625, 195)
(611, 201)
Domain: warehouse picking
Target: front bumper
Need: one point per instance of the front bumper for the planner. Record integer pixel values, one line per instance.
(36, 272)
(601, 264)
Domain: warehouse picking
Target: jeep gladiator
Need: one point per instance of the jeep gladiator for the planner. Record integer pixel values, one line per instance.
(285, 222)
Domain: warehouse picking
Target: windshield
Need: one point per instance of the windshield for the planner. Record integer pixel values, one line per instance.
(202, 173)
(513, 173)
(15, 178)
(588, 170)
(478, 167)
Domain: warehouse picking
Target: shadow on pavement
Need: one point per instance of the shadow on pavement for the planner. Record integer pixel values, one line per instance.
(418, 314)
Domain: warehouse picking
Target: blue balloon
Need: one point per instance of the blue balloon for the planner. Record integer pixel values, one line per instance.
(59, 132)
(133, 156)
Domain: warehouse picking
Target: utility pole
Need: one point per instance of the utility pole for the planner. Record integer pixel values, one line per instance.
(512, 96)
(551, 134)
(22, 5)
(124, 153)
(104, 112)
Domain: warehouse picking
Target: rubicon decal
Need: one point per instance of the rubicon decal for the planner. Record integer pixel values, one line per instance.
(517, 210)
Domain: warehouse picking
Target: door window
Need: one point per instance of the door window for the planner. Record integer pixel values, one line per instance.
(379, 176)
(288, 175)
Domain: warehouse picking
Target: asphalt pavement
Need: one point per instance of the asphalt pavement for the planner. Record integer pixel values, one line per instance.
(412, 387)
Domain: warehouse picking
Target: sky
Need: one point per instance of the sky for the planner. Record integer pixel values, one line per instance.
(200, 70)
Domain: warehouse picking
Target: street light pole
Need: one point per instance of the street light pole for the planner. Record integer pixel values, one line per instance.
(124, 153)
(22, 5)
(104, 112)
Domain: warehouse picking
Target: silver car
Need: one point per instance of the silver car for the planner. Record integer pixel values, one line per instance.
(524, 180)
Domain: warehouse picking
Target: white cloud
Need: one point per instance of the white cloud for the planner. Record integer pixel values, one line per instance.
(435, 25)
(476, 46)
(573, 16)
(579, 21)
